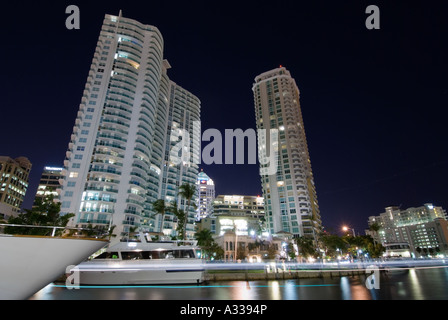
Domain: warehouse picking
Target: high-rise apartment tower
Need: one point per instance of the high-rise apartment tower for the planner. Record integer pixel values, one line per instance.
(117, 162)
(290, 195)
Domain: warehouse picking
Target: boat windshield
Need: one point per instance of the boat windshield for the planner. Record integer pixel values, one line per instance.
(108, 255)
(158, 254)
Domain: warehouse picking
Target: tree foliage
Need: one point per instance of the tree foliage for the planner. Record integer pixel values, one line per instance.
(160, 207)
(45, 212)
(306, 247)
(208, 245)
(186, 191)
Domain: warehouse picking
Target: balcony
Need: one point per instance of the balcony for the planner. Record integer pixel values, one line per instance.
(99, 199)
(94, 221)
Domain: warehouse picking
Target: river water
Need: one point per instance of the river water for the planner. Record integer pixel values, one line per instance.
(413, 284)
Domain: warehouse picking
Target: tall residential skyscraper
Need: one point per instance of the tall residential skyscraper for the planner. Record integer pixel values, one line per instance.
(117, 162)
(290, 195)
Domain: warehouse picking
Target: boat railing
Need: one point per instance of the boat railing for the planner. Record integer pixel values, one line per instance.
(174, 242)
(186, 242)
(141, 237)
(70, 231)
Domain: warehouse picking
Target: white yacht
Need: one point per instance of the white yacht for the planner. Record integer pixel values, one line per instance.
(29, 263)
(144, 263)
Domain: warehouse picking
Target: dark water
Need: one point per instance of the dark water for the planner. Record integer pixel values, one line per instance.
(413, 284)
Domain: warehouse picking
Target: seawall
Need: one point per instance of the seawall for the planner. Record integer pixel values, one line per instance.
(279, 275)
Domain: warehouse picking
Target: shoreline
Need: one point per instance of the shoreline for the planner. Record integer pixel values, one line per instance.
(280, 275)
(245, 275)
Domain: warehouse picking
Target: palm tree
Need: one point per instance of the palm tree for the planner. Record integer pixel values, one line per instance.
(205, 241)
(180, 216)
(374, 227)
(204, 237)
(159, 207)
(187, 192)
(110, 232)
(181, 223)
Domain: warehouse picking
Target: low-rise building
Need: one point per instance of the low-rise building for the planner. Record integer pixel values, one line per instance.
(245, 214)
(239, 228)
(252, 248)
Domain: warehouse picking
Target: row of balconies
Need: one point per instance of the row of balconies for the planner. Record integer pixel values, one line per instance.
(126, 45)
(94, 221)
(98, 198)
(124, 76)
(123, 83)
(122, 65)
(104, 188)
(112, 145)
(116, 121)
(102, 210)
(100, 169)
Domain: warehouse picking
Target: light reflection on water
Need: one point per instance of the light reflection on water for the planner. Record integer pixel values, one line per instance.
(345, 289)
(415, 284)
(410, 285)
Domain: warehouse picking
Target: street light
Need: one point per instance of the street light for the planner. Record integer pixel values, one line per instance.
(345, 228)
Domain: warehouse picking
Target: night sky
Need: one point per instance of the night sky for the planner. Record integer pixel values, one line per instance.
(373, 101)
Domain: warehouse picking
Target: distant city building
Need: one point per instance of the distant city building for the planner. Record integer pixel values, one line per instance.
(118, 159)
(290, 194)
(238, 225)
(242, 214)
(238, 205)
(14, 178)
(49, 183)
(206, 195)
(424, 228)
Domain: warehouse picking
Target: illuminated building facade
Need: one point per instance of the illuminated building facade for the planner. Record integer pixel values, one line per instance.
(424, 228)
(14, 177)
(238, 225)
(117, 160)
(49, 183)
(290, 194)
(243, 214)
(206, 195)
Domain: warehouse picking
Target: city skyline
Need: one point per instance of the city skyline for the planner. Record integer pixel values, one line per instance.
(372, 99)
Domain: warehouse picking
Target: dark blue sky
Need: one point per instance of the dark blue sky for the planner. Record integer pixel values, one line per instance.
(373, 101)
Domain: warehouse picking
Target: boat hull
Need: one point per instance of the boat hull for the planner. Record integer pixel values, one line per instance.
(141, 272)
(29, 263)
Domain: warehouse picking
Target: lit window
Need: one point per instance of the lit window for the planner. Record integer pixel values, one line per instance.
(73, 174)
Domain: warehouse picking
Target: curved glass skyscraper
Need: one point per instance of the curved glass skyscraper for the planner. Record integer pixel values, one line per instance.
(116, 159)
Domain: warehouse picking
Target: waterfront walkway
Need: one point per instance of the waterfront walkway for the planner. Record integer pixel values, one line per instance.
(225, 271)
